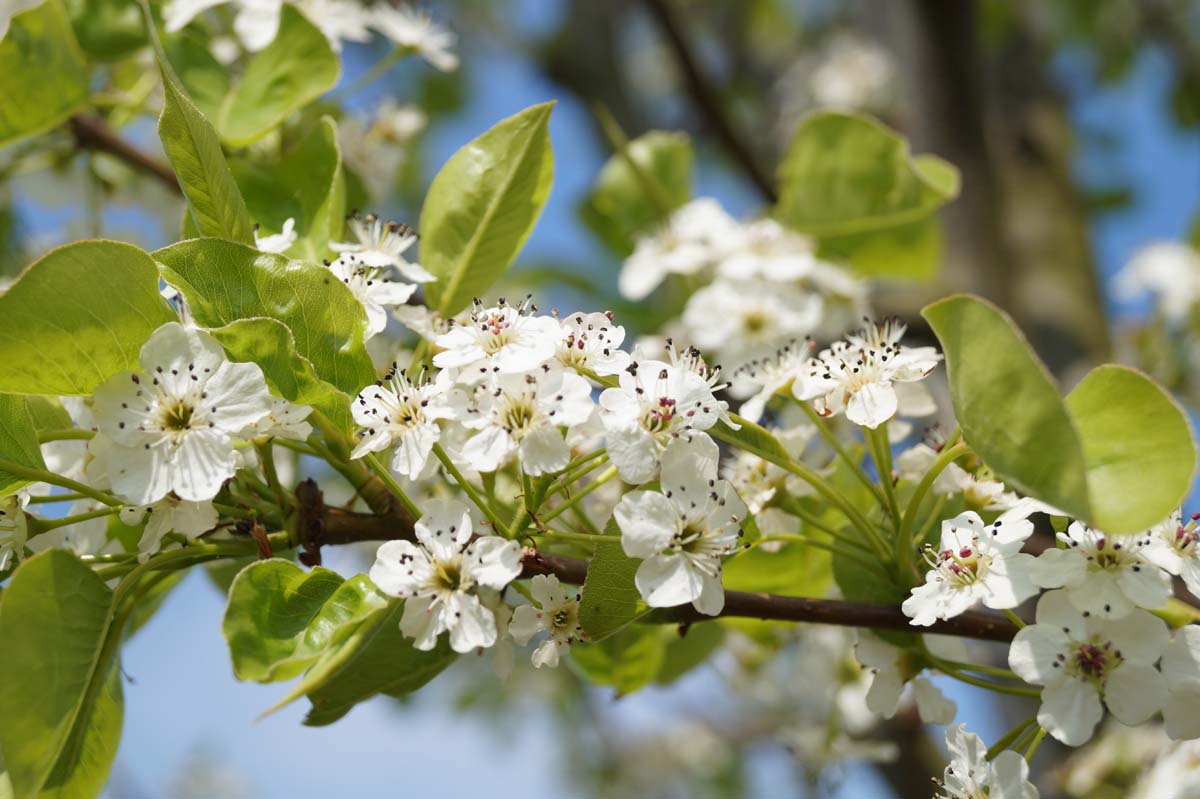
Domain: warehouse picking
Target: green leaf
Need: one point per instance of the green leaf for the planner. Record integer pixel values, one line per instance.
(853, 183)
(482, 206)
(78, 316)
(687, 651)
(61, 699)
(751, 438)
(107, 29)
(307, 184)
(192, 147)
(628, 660)
(48, 413)
(297, 67)
(270, 344)
(280, 618)
(43, 77)
(224, 282)
(847, 173)
(1137, 448)
(18, 441)
(1118, 453)
(619, 209)
(205, 79)
(375, 659)
(793, 570)
(1007, 405)
(610, 598)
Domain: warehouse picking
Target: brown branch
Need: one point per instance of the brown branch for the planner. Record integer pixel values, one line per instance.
(320, 525)
(93, 133)
(707, 102)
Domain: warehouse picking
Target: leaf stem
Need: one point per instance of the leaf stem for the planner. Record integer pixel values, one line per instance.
(823, 428)
(43, 476)
(904, 541)
(471, 491)
(385, 474)
(1014, 618)
(1009, 737)
(881, 453)
(575, 498)
(1033, 746)
(65, 434)
(46, 525)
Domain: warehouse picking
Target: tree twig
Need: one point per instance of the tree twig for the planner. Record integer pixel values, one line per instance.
(91, 132)
(707, 102)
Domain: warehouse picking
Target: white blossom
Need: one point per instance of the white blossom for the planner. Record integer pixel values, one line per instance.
(14, 529)
(854, 73)
(891, 669)
(859, 375)
(404, 413)
(1105, 575)
(682, 533)
(745, 319)
(1080, 660)
(556, 613)
(380, 244)
(1170, 271)
(256, 22)
(764, 249)
(416, 31)
(1175, 547)
(499, 340)
(374, 291)
(974, 563)
(1181, 669)
(438, 575)
(979, 492)
(169, 514)
(693, 238)
(970, 775)
(590, 342)
(173, 425)
(522, 413)
(652, 404)
(279, 242)
(285, 420)
(768, 376)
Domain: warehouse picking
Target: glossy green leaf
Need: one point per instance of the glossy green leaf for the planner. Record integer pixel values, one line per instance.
(224, 282)
(306, 184)
(268, 343)
(43, 77)
(78, 316)
(688, 650)
(18, 441)
(846, 173)
(280, 618)
(297, 67)
(60, 699)
(619, 207)
(1137, 448)
(482, 206)
(374, 659)
(750, 437)
(1007, 405)
(628, 660)
(793, 570)
(912, 250)
(192, 147)
(610, 598)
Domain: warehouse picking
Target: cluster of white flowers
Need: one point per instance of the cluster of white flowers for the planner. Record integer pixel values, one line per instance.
(256, 23)
(763, 285)
(1169, 271)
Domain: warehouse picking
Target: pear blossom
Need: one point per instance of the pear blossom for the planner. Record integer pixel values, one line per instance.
(285, 420)
(522, 413)
(757, 481)
(854, 73)
(693, 238)
(172, 426)
(503, 339)
(892, 668)
(1173, 776)
(372, 289)
(1181, 669)
(1082, 660)
(556, 613)
(974, 563)
(766, 250)
(970, 775)
(169, 514)
(88, 537)
(416, 31)
(439, 574)
(1175, 548)
(746, 319)
(14, 529)
(682, 533)
(1170, 271)
(652, 404)
(279, 242)
(381, 244)
(1105, 575)
(592, 343)
(859, 375)
(257, 21)
(404, 413)
(979, 492)
(765, 377)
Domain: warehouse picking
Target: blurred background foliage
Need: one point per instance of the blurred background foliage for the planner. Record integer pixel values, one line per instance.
(1075, 126)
